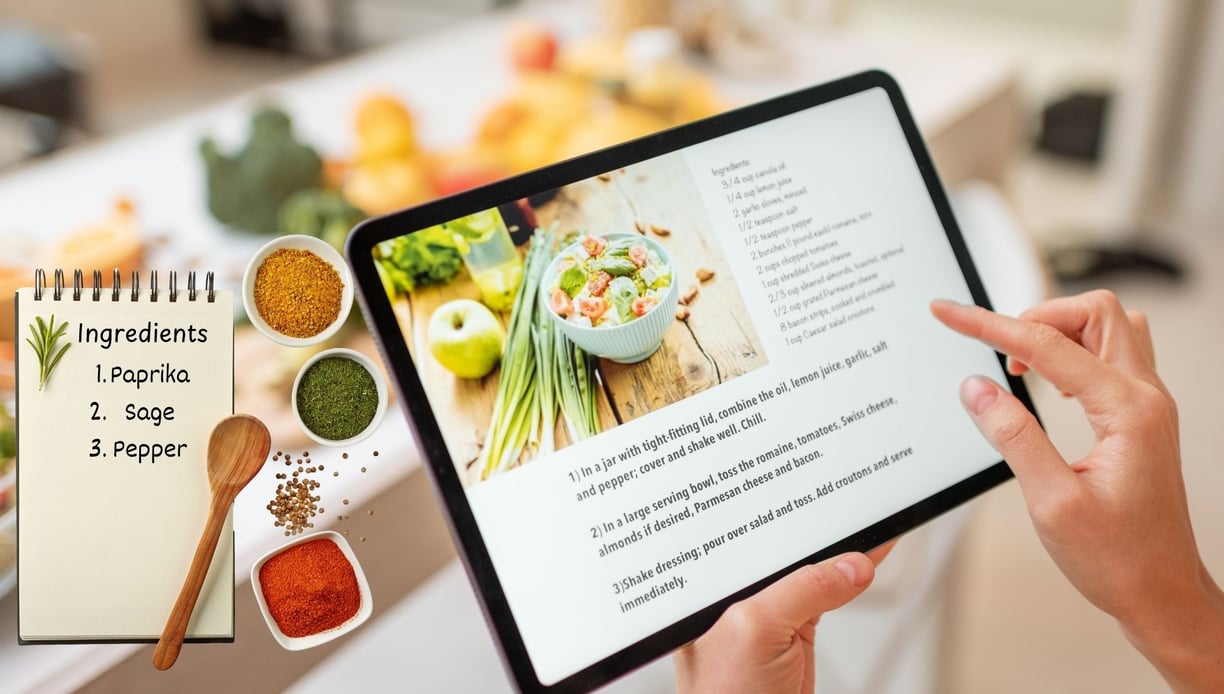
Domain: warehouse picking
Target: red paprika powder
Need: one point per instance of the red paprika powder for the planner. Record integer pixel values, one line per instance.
(309, 588)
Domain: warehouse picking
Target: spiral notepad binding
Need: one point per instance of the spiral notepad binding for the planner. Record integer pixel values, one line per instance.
(78, 286)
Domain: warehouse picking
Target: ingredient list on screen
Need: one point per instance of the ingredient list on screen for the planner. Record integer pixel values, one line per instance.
(836, 248)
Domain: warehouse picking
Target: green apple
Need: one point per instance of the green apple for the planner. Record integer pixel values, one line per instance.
(465, 337)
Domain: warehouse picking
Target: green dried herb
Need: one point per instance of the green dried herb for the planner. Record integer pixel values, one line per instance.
(337, 398)
(45, 342)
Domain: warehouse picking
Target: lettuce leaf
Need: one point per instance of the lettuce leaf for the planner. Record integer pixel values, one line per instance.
(428, 256)
(622, 292)
(572, 280)
(617, 267)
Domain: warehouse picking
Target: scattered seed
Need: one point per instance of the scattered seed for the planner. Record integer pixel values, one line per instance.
(370, 512)
(689, 294)
(705, 274)
(363, 468)
(336, 473)
(346, 502)
(604, 177)
(375, 454)
(344, 455)
(660, 231)
(641, 228)
(363, 539)
(682, 313)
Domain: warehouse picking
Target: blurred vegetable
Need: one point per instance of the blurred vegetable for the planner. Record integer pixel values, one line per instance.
(324, 214)
(8, 438)
(428, 256)
(109, 242)
(246, 190)
(531, 46)
(387, 185)
(385, 129)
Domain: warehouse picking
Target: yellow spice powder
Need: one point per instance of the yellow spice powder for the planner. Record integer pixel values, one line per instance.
(297, 293)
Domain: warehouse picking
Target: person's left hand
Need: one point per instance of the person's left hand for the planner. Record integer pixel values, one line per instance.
(764, 643)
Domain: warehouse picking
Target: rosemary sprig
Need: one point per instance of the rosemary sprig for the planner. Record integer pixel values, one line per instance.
(45, 341)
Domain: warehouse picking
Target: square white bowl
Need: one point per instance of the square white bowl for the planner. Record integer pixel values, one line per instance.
(298, 643)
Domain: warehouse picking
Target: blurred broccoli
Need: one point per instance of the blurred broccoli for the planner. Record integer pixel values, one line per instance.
(324, 214)
(246, 190)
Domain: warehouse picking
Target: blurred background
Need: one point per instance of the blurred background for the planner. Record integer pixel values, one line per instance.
(1083, 137)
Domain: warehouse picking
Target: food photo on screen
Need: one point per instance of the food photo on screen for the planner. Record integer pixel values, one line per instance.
(548, 321)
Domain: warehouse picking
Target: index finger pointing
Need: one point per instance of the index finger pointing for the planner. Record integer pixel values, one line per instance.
(1066, 364)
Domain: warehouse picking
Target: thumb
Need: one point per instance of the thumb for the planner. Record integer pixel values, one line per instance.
(812, 590)
(1014, 432)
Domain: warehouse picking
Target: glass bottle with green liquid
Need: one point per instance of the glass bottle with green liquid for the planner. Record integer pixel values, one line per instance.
(490, 257)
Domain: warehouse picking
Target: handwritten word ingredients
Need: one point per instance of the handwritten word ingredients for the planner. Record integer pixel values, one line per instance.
(297, 293)
(152, 333)
(310, 588)
(337, 398)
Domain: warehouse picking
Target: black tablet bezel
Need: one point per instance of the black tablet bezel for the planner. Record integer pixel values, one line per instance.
(465, 532)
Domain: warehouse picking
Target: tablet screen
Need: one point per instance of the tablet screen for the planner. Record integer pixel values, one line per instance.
(659, 384)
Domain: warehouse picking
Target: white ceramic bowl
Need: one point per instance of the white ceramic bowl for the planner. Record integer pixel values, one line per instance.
(306, 243)
(369, 366)
(633, 341)
(297, 643)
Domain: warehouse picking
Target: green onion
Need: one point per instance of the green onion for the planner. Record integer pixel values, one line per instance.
(543, 374)
(516, 408)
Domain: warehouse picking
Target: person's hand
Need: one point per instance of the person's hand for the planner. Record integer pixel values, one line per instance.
(763, 644)
(1116, 521)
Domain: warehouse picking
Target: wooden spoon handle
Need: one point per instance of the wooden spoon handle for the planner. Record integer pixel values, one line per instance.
(171, 641)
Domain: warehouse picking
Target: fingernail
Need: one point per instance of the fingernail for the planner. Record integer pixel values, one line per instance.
(948, 303)
(848, 571)
(978, 393)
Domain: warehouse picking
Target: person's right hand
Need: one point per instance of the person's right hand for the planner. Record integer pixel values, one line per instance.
(1116, 521)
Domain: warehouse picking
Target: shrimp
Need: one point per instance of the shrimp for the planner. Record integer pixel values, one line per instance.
(637, 254)
(594, 245)
(598, 284)
(643, 304)
(592, 307)
(560, 303)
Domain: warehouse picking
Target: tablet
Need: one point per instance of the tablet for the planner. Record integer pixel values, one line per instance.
(653, 379)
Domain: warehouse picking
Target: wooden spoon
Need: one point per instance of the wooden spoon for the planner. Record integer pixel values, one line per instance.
(237, 450)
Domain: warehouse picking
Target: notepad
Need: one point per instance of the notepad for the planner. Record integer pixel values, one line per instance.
(112, 481)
